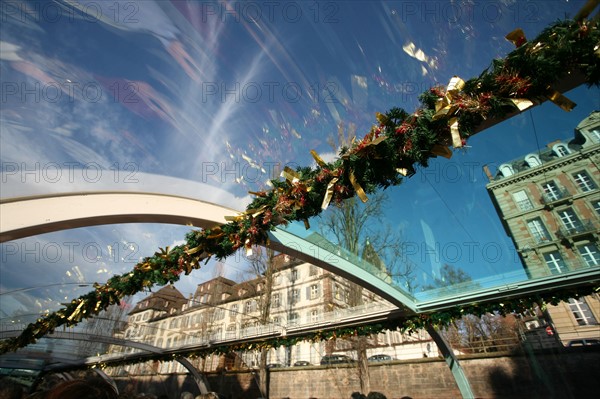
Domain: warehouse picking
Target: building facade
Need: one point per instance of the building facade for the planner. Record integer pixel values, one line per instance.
(223, 310)
(549, 204)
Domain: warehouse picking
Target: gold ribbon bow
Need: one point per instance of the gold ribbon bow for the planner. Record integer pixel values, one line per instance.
(330, 186)
(446, 107)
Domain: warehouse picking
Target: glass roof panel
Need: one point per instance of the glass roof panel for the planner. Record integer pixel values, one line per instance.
(209, 100)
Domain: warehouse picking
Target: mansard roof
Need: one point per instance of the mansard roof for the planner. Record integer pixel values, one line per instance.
(165, 299)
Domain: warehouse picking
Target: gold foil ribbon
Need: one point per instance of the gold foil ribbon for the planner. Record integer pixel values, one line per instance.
(318, 159)
(521, 103)
(440, 150)
(381, 118)
(216, 232)
(359, 190)
(516, 36)
(329, 193)
(164, 252)
(249, 212)
(370, 143)
(290, 175)
(258, 193)
(456, 140)
(145, 267)
(445, 107)
(559, 99)
(235, 218)
(77, 310)
(193, 250)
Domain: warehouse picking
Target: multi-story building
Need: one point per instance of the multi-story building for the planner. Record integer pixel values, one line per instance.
(549, 203)
(222, 310)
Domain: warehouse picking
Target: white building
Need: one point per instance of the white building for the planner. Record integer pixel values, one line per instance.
(222, 310)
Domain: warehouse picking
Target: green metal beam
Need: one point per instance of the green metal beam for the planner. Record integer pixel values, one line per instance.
(457, 371)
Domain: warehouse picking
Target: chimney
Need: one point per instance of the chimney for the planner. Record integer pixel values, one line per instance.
(487, 172)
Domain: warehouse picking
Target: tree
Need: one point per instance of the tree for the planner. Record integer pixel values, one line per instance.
(473, 334)
(110, 321)
(360, 229)
(262, 265)
(451, 279)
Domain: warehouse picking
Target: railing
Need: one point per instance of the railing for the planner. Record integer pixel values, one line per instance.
(577, 229)
(559, 195)
(255, 331)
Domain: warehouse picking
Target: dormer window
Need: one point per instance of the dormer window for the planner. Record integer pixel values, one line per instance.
(533, 160)
(561, 150)
(506, 170)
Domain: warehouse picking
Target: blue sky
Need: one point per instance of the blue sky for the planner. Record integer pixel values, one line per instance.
(202, 99)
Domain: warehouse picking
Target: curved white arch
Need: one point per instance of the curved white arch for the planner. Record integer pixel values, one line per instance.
(28, 216)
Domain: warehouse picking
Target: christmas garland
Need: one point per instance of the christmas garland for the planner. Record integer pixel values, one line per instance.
(389, 151)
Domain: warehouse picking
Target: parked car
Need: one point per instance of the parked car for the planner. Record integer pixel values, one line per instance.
(301, 363)
(584, 342)
(274, 365)
(379, 358)
(336, 359)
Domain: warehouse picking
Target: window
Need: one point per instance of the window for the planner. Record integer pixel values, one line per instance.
(522, 200)
(533, 160)
(538, 230)
(590, 254)
(551, 191)
(231, 331)
(276, 301)
(314, 316)
(561, 150)
(314, 270)
(555, 262)
(570, 220)
(250, 306)
(294, 296)
(277, 320)
(584, 181)
(337, 292)
(506, 170)
(582, 312)
(234, 310)
(595, 134)
(313, 291)
(596, 206)
(294, 275)
(219, 314)
(293, 319)
(216, 334)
